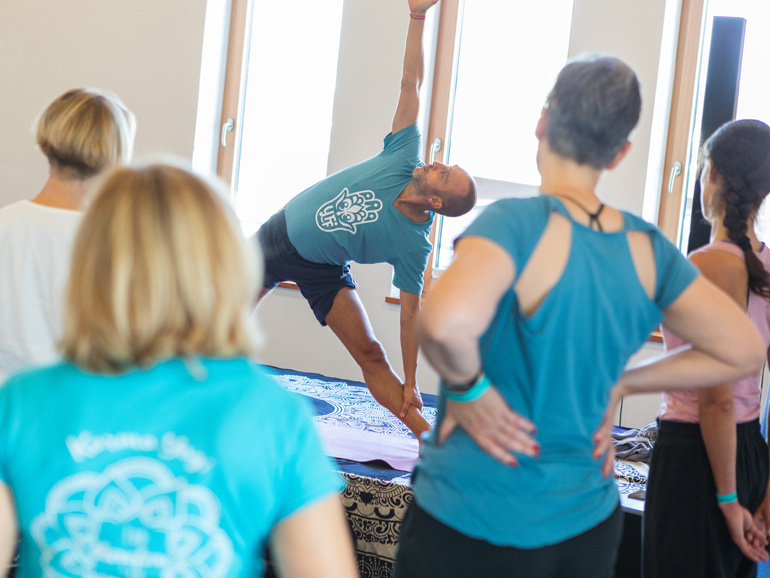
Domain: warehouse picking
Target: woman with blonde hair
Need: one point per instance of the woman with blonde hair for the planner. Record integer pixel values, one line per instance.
(160, 447)
(81, 133)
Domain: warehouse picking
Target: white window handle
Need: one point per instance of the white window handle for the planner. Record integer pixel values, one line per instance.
(434, 148)
(226, 127)
(676, 170)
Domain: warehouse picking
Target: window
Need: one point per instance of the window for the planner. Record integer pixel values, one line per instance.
(503, 69)
(660, 41)
(753, 87)
(279, 92)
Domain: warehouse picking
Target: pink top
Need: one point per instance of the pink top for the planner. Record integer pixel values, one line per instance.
(683, 405)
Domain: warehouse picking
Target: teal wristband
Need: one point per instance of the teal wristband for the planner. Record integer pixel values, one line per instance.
(727, 498)
(478, 389)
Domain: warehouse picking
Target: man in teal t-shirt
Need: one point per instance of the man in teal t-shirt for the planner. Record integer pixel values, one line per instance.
(377, 211)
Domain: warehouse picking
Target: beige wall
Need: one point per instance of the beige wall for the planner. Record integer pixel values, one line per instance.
(146, 51)
(149, 52)
(635, 36)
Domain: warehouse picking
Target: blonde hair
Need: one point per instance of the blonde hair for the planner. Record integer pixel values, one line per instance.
(84, 131)
(160, 269)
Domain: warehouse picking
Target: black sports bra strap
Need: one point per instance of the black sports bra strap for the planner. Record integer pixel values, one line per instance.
(593, 218)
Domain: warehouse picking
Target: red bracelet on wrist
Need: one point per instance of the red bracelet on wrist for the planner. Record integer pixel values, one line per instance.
(417, 16)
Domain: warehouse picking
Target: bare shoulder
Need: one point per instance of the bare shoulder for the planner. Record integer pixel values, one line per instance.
(718, 263)
(726, 270)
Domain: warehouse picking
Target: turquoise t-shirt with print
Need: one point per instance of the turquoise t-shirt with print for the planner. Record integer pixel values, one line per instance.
(556, 368)
(181, 469)
(349, 216)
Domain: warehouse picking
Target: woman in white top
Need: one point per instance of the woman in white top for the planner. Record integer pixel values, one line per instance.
(81, 133)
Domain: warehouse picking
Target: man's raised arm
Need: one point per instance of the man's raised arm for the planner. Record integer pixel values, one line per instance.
(410, 308)
(411, 79)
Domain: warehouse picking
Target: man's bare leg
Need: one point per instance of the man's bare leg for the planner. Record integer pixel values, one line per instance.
(348, 320)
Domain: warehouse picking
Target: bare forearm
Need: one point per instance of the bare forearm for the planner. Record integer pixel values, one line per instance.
(457, 360)
(315, 543)
(408, 107)
(717, 425)
(413, 71)
(410, 348)
(683, 369)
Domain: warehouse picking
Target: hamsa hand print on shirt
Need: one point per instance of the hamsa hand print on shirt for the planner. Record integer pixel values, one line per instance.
(348, 210)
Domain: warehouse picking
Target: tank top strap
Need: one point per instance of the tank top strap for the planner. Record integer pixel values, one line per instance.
(724, 246)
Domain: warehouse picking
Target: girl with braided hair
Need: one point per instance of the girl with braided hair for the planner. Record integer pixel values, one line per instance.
(707, 509)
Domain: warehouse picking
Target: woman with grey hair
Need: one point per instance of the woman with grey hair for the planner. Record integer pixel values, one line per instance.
(546, 300)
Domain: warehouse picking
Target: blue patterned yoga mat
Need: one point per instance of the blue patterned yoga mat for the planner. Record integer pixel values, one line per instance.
(348, 403)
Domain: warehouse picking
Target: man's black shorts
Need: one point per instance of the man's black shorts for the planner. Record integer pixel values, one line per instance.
(319, 283)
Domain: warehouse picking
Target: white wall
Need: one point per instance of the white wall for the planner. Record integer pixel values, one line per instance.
(147, 52)
(632, 31)
(639, 410)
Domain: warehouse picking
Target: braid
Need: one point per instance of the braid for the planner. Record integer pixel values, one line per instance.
(759, 280)
(740, 152)
(734, 221)
(740, 205)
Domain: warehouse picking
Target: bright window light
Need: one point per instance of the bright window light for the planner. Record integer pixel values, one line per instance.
(507, 64)
(292, 74)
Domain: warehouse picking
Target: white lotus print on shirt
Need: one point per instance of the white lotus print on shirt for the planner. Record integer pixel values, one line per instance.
(348, 210)
(134, 519)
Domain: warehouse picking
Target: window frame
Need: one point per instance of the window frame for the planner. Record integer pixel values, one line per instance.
(442, 97)
(232, 100)
(681, 117)
(670, 204)
(442, 93)
(680, 125)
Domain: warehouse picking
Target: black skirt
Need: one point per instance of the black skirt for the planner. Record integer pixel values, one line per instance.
(430, 549)
(684, 531)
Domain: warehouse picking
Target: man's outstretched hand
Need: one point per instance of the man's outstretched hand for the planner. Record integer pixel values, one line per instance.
(411, 397)
(421, 6)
